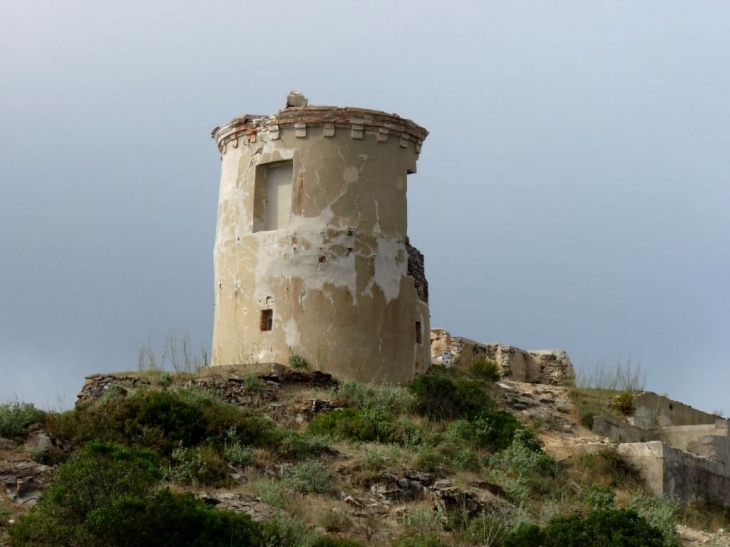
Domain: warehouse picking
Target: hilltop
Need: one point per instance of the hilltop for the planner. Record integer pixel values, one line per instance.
(290, 456)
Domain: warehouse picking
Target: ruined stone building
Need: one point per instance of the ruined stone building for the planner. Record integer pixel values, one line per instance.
(311, 252)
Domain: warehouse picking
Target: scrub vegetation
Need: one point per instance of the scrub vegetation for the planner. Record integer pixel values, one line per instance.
(129, 468)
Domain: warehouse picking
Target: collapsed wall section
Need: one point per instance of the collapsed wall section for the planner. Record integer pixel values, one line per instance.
(538, 366)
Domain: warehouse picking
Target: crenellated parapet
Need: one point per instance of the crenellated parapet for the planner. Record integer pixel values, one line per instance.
(328, 121)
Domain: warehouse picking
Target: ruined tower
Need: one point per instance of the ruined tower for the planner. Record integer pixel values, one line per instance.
(311, 252)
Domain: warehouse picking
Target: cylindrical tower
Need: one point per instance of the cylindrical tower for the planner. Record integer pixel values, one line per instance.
(311, 251)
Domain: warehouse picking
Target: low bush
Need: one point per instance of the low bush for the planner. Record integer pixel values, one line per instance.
(327, 541)
(428, 460)
(606, 466)
(625, 402)
(427, 540)
(355, 424)
(599, 496)
(271, 492)
(309, 477)
(521, 470)
(423, 521)
(107, 496)
(486, 369)
(334, 521)
(161, 420)
(196, 466)
(235, 451)
(659, 513)
(384, 399)
(16, 417)
(487, 530)
(605, 528)
(297, 361)
(440, 397)
(526, 535)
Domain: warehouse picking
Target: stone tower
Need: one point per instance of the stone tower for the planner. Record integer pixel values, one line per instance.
(311, 252)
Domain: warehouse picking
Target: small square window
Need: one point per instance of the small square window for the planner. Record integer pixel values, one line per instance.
(267, 319)
(419, 333)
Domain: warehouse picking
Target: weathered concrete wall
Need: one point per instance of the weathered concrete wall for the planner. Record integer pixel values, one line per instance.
(621, 432)
(669, 471)
(539, 366)
(654, 410)
(327, 278)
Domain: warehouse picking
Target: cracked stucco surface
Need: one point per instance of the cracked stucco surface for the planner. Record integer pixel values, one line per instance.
(336, 278)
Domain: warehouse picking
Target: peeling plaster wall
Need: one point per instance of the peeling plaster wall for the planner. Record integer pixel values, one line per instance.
(336, 279)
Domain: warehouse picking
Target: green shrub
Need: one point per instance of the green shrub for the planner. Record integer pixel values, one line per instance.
(439, 397)
(422, 520)
(309, 477)
(625, 402)
(608, 466)
(288, 531)
(271, 492)
(600, 496)
(659, 513)
(293, 445)
(327, 541)
(486, 369)
(108, 496)
(17, 417)
(165, 380)
(497, 430)
(364, 426)
(238, 454)
(198, 465)
(586, 419)
(428, 540)
(428, 460)
(297, 361)
(487, 530)
(606, 528)
(334, 521)
(385, 399)
(162, 420)
(521, 470)
(526, 535)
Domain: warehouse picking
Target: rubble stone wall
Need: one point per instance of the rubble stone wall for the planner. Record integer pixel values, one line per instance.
(538, 366)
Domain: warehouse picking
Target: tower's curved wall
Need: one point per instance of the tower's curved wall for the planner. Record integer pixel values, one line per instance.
(310, 252)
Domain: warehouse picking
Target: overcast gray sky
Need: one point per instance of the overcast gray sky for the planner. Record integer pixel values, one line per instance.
(572, 193)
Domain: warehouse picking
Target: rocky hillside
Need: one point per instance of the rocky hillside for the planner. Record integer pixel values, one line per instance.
(291, 457)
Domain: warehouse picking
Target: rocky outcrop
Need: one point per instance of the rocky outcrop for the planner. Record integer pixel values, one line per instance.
(226, 384)
(241, 503)
(24, 481)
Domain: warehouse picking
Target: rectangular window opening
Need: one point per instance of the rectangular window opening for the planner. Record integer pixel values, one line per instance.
(267, 320)
(272, 196)
(419, 333)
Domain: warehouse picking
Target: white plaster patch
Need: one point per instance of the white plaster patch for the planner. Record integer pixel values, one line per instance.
(388, 272)
(291, 333)
(273, 264)
(351, 174)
